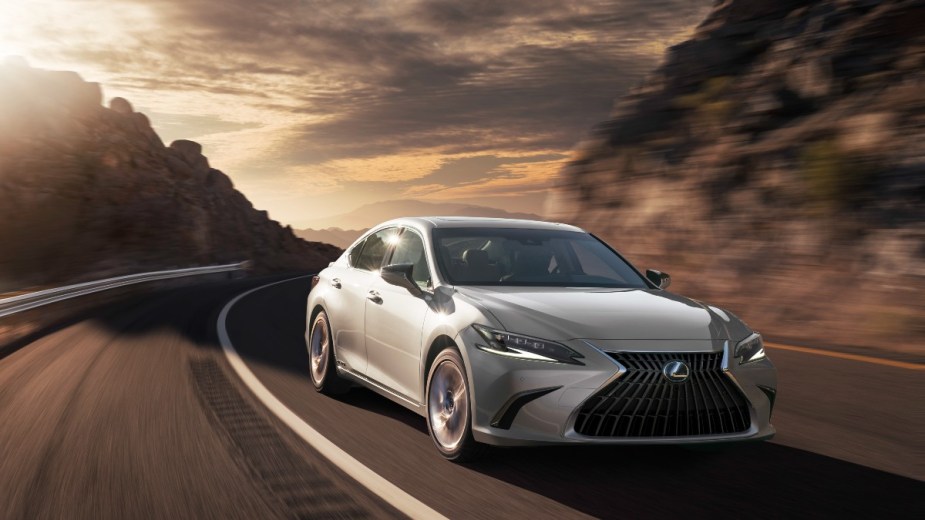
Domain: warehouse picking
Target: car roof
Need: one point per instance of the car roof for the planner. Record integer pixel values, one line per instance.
(476, 222)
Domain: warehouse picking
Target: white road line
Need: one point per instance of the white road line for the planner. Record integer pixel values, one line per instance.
(387, 491)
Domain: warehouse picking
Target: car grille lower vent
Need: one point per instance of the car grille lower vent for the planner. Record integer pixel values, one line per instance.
(644, 403)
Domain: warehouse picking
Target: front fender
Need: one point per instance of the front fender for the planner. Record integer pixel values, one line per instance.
(447, 316)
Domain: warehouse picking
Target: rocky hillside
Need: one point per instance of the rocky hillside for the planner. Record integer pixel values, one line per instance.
(775, 163)
(89, 191)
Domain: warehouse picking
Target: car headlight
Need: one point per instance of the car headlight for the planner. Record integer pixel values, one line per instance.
(524, 347)
(750, 349)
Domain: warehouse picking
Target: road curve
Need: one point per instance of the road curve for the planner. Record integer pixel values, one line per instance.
(134, 413)
(862, 413)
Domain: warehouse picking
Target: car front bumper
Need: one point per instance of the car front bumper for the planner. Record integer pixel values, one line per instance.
(520, 402)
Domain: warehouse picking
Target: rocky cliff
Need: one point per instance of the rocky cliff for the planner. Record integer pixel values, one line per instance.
(87, 191)
(775, 163)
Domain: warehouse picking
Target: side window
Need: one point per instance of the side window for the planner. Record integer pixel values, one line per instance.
(354, 255)
(374, 248)
(410, 250)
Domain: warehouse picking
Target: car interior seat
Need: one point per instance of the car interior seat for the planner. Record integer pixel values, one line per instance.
(479, 266)
(530, 264)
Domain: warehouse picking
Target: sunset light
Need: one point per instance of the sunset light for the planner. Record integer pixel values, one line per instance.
(382, 259)
(292, 100)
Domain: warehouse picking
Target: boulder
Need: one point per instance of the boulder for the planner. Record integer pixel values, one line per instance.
(120, 106)
(191, 153)
(219, 181)
(188, 150)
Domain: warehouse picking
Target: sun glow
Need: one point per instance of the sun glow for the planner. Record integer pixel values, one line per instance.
(47, 32)
(15, 24)
(310, 121)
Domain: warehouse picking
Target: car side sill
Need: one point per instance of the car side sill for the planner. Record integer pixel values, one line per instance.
(382, 390)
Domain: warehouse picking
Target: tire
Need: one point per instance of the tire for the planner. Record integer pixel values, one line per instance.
(449, 408)
(322, 366)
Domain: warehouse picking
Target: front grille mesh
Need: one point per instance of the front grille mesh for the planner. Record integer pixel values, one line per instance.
(643, 403)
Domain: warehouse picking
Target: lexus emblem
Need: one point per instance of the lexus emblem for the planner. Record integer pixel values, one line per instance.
(676, 371)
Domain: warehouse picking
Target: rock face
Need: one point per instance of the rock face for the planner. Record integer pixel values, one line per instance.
(775, 163)
(89, 191)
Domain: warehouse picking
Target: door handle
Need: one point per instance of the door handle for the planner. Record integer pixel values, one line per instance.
(374, 297)
(335, 282)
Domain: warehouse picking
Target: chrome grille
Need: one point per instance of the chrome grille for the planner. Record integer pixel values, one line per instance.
(643, 403)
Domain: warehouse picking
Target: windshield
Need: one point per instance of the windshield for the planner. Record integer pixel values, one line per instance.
(530, 257)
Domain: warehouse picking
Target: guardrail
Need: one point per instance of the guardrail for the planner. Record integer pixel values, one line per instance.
(28, 301)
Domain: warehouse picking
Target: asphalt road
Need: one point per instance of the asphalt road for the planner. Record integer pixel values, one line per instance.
(134, 413)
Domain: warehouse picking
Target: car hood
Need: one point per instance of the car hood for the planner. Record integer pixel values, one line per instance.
(562, 313)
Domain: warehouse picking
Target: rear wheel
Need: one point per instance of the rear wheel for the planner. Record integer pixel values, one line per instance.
(449, 419)
(321, 361)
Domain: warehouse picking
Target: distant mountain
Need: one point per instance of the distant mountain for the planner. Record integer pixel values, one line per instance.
(336, 236)
(342, 230)
(89, 191)
(369, 215)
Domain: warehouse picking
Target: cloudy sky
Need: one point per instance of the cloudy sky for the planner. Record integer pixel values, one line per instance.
(316, 107)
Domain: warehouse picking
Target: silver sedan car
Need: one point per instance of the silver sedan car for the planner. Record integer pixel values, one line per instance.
(512, 332)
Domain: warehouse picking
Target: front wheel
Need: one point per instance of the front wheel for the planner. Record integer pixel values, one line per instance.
(448, 410)
(321, 358)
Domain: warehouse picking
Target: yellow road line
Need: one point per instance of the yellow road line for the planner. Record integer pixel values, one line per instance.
(853, 357)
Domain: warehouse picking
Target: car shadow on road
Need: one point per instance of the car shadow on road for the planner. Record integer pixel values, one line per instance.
(762, 480)
(372, 402)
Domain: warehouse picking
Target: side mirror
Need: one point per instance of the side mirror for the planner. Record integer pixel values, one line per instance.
(662, 280)
(400, 275)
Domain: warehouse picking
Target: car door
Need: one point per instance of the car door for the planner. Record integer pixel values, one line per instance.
(394, 320)
(347, 315)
